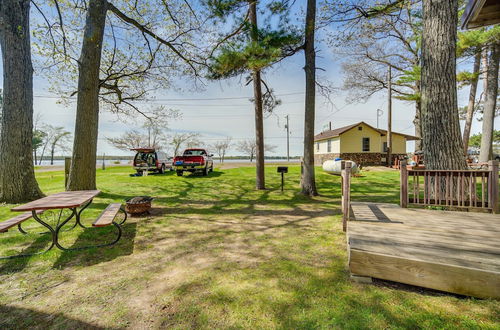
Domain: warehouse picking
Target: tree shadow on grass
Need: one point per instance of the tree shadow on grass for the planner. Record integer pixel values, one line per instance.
(213, 174)
(22, 318)
(40, 243)
(180, 192)
(95, 236)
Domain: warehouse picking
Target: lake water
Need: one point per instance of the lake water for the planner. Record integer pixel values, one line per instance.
(60, 162)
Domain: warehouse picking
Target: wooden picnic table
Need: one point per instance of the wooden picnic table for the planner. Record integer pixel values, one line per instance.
(76, 202)
(62, 200)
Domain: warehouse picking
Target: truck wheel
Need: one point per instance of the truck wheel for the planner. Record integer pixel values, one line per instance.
(212, 168)
(179, 173)
(162, 169)
(205, 171)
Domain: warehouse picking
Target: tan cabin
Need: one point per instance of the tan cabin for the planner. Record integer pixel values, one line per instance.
(359, 142)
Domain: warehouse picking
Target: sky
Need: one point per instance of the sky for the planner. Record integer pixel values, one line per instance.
(223, 109)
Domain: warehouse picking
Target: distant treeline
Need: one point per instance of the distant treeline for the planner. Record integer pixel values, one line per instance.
(98, 157)
(132, 157)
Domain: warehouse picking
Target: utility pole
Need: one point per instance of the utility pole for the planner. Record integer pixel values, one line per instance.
(287, 126)
(389, 118)
(379, 113)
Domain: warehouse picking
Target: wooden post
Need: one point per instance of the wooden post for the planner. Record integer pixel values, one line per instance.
(346, 193)
(403, 184)
(493, 186)
(389, 119)
(67, 166)
(342, 167)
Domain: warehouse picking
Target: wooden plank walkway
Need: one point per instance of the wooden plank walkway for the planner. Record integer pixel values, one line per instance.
(456, 252)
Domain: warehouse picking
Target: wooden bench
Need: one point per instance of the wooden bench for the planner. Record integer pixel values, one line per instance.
(108, 215)
(6, 225)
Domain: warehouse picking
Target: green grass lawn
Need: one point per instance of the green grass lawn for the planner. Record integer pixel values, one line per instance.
(215, 253)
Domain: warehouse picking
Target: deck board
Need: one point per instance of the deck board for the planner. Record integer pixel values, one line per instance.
(458, 252)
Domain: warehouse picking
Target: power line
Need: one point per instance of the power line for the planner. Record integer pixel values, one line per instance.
(220, 105)
(180, 99)
(236, 138)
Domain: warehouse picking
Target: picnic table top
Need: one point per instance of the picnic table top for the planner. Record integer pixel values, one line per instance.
(62, 200)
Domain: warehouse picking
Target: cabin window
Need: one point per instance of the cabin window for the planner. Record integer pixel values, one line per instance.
(329, 146)
(366, 144)
(317, 146)
(384, 147)
(360, 128)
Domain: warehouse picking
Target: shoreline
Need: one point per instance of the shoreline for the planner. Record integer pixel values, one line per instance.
(222, 166)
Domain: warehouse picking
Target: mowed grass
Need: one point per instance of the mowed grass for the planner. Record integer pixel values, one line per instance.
(216, 253)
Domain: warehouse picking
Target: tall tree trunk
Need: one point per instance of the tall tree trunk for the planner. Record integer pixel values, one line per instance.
(43, 152)
(417, 122)
(472, 103)
(83, 164)
(443, 148)
(17, 174)
(259, 116)
(484, 63)
(308, 181)
(52, 151)
(389, 117)
(490, 104)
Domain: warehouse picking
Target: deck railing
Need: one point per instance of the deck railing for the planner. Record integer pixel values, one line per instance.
(346, 192)
(472, 188)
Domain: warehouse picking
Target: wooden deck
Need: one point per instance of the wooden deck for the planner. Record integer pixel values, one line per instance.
(456, 252)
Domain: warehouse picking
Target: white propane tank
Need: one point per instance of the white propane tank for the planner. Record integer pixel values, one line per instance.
(335, 167)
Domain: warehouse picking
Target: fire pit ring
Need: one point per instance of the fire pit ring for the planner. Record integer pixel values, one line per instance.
(138, 205)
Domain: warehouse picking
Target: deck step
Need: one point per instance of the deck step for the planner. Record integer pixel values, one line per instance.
(449, 251)
(108, 215)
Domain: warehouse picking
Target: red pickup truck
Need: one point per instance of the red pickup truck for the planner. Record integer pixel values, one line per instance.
(194, 160)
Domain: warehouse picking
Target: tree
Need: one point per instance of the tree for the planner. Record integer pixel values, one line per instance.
(249, 147)
(129, 140)
(55, 137)
(308, 181)
(371, 46)
(1, 105)
(474, 44)
(59, 139)
(221, 147)
(82, 172)
(443, 148)
(17, 175)
(153, 133)
(184, 139)
(490, 104)
(475, 140)
(138, 43)
(252, 49)
(37, 141)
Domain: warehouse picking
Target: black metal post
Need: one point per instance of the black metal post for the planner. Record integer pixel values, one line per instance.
(282, 180)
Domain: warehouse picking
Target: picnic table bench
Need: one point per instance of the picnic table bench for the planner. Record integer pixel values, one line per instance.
(16, 221)
(76, 202)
